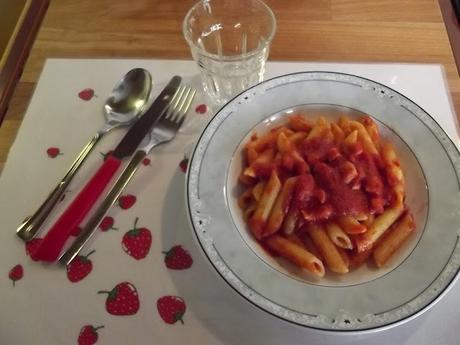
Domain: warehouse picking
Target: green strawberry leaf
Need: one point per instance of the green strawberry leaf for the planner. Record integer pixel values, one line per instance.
(178, 316)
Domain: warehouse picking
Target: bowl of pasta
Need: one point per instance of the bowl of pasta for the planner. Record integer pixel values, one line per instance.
(317, 197)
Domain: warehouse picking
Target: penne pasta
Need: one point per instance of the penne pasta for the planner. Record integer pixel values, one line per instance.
(364, 138)
(359, 258)
(351, 139)
(290, 221)
(317, 191)
(350, 225)
(245, 199)
(348, 171)
(393, 240)
(345, 257)
(280, 207)
(264, 158)
(378, 228)
(338, 236)
(257, 191)
(300, 123)
(265, 205)
(283, 143)
(251, 155)
(296, 254)
(337, 132)
(249, 211)
(367, 222)
(328, 250)
(372, 129)
(318, 129)
(297, 137)
(309, 245)
(296, 239)
(344, 124)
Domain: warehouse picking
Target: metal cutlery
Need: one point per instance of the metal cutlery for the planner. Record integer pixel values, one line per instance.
(122, 108)
(164, 131)
(51, 245)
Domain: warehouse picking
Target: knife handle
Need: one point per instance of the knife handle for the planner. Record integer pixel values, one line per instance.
(52, 243)
(91, 226)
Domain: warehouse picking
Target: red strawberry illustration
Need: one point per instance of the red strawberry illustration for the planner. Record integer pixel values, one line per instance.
(16, 273)
(126, 201)
(137, 242)
(107, 224)
(171, 309)
(177, 258)
(76, 231)
(104, 155)
(201, 109)
(79, 268)
(146, 161)
(183, 165)
(122, 299)
(86, 94)
(31, 246)
(53, 152)
(88, 335)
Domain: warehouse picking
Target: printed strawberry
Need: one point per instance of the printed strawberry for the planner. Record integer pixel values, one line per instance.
(177, 258)
(201, 109)
(53, 152)
(126, 201)
(146, 161)
(32, 245)
(137, 241)
(183, 165)
(88, 335)
(79, 268)
(122, 299)
(16, 273)
(86, 94)
(171, 309)
(76, 231)
(107, 224)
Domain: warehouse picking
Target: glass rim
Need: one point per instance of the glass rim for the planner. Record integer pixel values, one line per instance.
(192, 44)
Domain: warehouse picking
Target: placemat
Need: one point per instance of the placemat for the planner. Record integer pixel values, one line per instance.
(174, 294)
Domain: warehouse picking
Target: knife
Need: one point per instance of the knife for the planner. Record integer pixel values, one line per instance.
(51, 245)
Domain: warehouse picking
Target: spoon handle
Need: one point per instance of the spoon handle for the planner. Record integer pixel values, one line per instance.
(30, 226)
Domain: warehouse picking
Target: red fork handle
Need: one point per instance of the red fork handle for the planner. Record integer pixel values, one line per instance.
(52, 243)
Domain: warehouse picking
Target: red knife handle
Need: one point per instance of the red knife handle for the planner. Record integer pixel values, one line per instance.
(51, 245)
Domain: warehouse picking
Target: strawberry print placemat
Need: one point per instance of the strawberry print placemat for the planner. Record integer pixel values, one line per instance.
(143, 279)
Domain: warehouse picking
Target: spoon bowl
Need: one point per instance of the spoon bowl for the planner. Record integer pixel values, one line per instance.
(128, 98)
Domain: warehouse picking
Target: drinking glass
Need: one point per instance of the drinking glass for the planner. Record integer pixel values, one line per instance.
(230, 41)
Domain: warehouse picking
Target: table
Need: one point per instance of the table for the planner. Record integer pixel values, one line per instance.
(320, 30)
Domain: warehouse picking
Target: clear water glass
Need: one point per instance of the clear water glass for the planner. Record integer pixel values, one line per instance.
(230, 41)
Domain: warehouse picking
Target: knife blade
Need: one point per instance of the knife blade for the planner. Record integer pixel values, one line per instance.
(51, 245)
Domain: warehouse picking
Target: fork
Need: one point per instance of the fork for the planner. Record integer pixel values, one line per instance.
(164, 131)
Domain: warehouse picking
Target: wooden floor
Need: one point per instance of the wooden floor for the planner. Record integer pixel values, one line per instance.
(319, 30)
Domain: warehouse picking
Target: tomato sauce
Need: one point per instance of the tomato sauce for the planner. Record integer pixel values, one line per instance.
(342, 197)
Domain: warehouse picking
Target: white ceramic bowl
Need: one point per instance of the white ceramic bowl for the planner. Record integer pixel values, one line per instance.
(365, 299)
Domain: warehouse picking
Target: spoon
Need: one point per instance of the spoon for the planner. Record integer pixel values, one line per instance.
(122, 108)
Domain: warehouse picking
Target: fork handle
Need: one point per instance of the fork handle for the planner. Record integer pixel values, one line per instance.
(91, 226)
(31, 225)
(52, 243)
